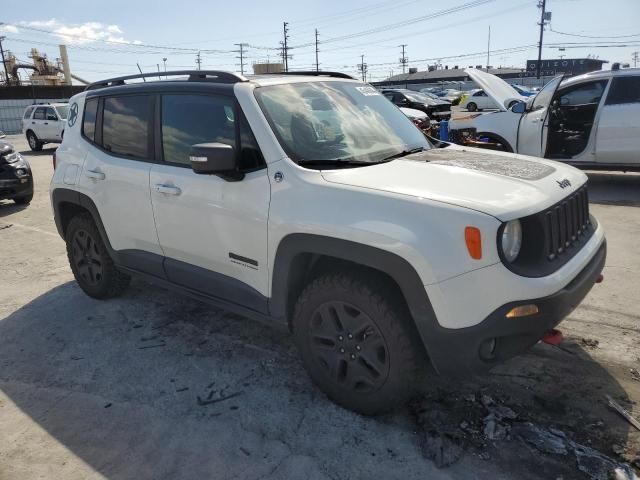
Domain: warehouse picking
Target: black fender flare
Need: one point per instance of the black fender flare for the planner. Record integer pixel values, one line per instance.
(60, 196)
(396, 267)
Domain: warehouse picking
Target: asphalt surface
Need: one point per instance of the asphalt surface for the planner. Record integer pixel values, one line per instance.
(155, 385)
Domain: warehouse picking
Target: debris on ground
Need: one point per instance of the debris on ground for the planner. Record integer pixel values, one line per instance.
(210, 400)
(589, 342)
(542, 439)
(635, 374)
(618, 408)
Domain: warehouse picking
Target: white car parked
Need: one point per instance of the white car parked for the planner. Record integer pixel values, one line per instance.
(477, 99)
(44, 124)
(590, 121)
(312, 202)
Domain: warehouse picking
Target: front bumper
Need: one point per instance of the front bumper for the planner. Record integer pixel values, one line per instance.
(497, 338)
(15, 187)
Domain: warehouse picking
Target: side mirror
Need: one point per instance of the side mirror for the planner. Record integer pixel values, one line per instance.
(519, 107)
(215, 159)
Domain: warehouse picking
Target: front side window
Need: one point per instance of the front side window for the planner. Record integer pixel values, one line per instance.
(587, 93)
(624, 90)
(51, 114)
(27, 112)
(89, 119)
(191, 119)
(125, 125)
(337, 121)
(40, 113)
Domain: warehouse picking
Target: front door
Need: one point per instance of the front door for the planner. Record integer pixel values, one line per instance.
(532, 136)
(618, 129)
(213, 231)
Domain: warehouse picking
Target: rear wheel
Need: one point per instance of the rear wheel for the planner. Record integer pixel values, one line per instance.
(356, 343)
(90, 262)
(472, 107)
(34, 143)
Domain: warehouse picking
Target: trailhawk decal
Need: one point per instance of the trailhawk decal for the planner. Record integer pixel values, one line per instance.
(486, 162)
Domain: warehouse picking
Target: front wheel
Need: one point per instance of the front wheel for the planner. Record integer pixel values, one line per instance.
(357, 343)
(472, 107)
(34, 144)
(90, 262)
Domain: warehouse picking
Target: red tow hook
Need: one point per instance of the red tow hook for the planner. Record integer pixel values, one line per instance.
(553, 337)
(600, 278)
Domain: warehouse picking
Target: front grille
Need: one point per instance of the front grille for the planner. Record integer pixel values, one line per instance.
(565, 223)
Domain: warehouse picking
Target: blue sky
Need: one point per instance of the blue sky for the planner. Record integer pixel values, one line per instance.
(108, 38)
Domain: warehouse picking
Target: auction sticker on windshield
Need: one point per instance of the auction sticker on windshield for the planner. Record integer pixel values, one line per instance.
(367, 90)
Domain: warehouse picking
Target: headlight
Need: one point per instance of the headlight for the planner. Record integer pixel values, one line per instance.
(511, 240)
(13, 158)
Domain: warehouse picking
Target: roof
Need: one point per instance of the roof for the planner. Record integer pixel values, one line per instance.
(448, 74)
(601, 74)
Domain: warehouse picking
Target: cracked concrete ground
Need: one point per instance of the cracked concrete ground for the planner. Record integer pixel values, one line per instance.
(156, 385)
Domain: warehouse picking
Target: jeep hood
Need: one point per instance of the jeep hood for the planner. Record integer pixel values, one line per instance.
(506, 186)
(500, 91)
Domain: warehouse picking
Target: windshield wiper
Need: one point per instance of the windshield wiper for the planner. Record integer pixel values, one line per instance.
(404, 153)
(334, 162)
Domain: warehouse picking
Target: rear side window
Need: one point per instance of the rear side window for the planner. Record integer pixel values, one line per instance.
(89, 119)
(125, 125)
(39, 113)
(27, 112)
(624, 90)
(191, 119)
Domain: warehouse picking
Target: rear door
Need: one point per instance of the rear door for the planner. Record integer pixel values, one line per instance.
(532, 132)
(213, 231)
(116, 175)
(618, 128)
(37, 123)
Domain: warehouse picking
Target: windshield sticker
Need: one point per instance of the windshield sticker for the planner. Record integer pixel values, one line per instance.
(368, 91)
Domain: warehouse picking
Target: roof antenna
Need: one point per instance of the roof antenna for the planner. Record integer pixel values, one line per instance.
(143, 79)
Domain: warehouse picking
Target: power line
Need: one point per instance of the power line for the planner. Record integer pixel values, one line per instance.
(593, 36)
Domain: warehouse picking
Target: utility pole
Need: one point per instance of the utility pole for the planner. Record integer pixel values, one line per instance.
(285, 48)
(362, 67)
(542, 4)
(198, 60)
(6, 74)
(403, 59)
(241, 57)
(634, 57)
(317, 64)
(489, 48)
(164, 61)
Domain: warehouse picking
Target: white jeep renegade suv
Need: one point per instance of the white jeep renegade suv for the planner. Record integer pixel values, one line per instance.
(312, 201)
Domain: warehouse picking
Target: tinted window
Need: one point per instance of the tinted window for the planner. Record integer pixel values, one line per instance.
(191, 119)
(27, 112)
(480, 94)
(125, 125)
(624, 90)
(89, 119)
(583, 94)
(39, 113)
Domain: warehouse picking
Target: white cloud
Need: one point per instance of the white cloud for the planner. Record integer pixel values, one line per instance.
(81, 33)
(9, 29)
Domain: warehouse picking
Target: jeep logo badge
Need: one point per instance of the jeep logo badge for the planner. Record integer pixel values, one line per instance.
(563, 183)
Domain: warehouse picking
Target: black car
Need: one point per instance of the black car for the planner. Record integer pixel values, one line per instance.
(16, 181)
(436, 109)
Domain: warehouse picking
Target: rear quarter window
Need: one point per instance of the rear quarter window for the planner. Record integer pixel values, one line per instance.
(89, 119)
(27, 112)
(624, 90)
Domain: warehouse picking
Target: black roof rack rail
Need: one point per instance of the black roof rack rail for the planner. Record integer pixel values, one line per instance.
(318, 74)
(194, 76)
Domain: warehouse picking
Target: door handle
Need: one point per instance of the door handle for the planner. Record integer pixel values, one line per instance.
(46, 123)
(94, 175)
(33, 123)
(167, 189)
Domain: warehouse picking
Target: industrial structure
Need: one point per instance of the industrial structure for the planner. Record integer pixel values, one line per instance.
(43, 72)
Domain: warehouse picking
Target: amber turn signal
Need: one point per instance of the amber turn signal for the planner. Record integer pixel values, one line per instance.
(473, 239)
(523, 311)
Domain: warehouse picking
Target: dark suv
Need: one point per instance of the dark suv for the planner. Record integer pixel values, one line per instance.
(16, 182)
(436, 109)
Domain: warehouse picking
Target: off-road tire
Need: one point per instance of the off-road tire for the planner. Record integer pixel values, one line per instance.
(378, 305)
(34, 144)
(82, 235)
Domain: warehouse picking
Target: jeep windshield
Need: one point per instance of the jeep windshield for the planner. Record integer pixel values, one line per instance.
(338, 123)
